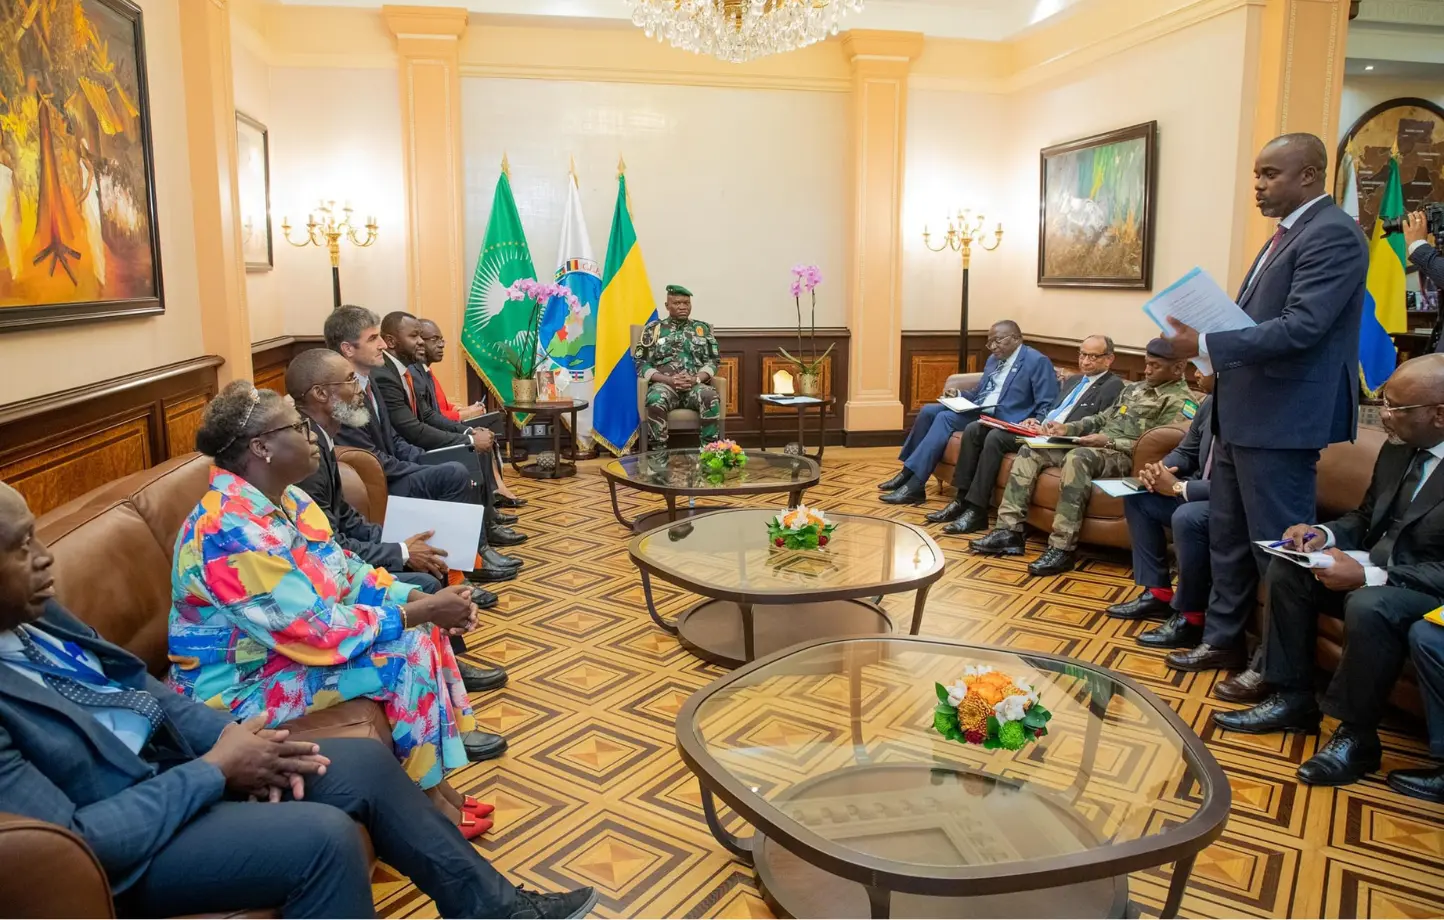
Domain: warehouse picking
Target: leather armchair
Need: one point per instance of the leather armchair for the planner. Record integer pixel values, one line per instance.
(677, 419)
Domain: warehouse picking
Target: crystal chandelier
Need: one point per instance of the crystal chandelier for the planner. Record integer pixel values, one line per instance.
(741, 30)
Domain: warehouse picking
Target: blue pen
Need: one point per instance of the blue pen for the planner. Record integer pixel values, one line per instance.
(1282, 543)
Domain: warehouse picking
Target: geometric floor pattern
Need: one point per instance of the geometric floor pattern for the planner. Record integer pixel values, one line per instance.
(593, 792)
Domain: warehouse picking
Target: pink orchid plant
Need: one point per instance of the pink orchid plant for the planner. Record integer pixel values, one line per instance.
(805, 279)
(522, 351)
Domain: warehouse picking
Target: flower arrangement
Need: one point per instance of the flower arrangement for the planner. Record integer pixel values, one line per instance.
(990, 708)
(800, 528)
(805, 279)
(720, 456)
(523, 350)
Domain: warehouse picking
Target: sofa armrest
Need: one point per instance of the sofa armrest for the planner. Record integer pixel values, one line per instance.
(368, 476)
(963, 382)
(1156, 444)
(49, 872)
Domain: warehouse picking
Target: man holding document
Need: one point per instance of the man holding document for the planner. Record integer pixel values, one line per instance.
(1382, 571)
(1018, 383)
(1288, 380)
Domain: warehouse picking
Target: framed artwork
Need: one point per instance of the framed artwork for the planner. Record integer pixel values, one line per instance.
(78, 236)
(1416, 128)
(1095, 210)
(253, 162)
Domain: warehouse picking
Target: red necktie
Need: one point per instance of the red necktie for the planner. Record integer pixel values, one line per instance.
(410, 390)
(1274, 244)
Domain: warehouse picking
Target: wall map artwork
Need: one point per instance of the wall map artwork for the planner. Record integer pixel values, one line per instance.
(1416, 127)
(78, 235)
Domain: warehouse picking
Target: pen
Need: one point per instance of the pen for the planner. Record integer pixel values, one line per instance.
(1282, 543)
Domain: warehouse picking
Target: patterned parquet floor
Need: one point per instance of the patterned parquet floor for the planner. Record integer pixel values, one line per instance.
(592, 791)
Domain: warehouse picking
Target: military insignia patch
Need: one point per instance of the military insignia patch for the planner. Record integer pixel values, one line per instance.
(649, 336)
(1190, 408)
(1122, 410)
(701, 332)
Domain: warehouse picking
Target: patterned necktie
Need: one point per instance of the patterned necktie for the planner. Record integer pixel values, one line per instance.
(82, 695)
(989, 383)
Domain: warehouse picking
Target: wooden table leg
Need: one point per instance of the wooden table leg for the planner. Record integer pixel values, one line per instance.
(1181, 871)
(762, 425)
(919, 603)
(740, 848)
(749, 652)
(821, 431)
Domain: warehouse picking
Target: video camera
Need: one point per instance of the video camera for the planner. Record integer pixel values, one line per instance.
(1433, 217)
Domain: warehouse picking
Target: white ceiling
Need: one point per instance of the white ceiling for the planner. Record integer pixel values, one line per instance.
(989, 20)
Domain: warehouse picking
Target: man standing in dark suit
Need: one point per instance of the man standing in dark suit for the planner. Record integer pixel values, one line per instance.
(157, 785)
(1386, 572)
(1018, 383)
(1287, 387)
(980, 457)
(1176, 500)
(355, 334)
(328, 394)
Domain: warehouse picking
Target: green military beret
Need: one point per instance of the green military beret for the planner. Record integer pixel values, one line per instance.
(678, 290)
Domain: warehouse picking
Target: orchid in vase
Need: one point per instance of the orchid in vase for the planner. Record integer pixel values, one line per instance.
(523, 351)
(805, 279)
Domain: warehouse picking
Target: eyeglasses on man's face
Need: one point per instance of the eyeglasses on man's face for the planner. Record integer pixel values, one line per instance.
(1091, 355)
(997, 339)
(1393, 410)
(350, 380)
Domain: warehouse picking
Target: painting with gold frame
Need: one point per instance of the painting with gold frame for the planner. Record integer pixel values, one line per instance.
(78, 236)
(253, 165)
(1095, 211)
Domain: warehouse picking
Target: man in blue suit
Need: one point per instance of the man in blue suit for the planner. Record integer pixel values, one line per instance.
(1018, 383)
(158, 785)
(1287, 387)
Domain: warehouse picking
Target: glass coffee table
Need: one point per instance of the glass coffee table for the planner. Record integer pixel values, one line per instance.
(862, 810)
(675, 474)
(759, 598)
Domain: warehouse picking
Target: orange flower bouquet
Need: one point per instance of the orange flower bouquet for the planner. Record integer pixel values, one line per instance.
(990, 708)
(800, 528)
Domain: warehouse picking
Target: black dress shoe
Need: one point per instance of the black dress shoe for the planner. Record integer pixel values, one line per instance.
(482, 746)
(490, 573)
(501, 501)
(483, 599)
(949, 512)
(499, 535)
(1420, 784)
(534, 905)
(1247, 687)
(971, 521)
(501, 517)
(1143, 607)
(999, 543)
(897, 482)
(1297, 712)
(914, 493)
(1176, 632)
(1350, 755)
(480, 680)
(1204, 657)
(491, 557)
(1054, 561)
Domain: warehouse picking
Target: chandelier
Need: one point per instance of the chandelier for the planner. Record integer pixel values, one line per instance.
(741, 30)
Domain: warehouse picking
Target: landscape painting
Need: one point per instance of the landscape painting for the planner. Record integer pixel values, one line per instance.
(1096, 209)
(78, 235)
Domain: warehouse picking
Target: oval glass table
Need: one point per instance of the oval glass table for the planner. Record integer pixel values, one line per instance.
(861, 809)
(759, 598)
(675, 474)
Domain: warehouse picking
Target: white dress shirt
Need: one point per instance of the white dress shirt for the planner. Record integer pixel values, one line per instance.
(1004, 369)
(1377, 575)
(1064, 412)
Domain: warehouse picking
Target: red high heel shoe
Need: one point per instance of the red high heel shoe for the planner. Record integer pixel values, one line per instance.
(475, 806)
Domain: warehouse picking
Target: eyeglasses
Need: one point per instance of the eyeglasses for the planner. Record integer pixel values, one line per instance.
(302, 428)
(1392, 409)
(351, 381)
(997, 339)
(1095, 357)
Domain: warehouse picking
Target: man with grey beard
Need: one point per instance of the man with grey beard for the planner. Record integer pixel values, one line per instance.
(326, 392)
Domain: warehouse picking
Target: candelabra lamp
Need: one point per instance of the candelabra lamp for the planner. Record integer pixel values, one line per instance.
(964, 233)
(323, 229)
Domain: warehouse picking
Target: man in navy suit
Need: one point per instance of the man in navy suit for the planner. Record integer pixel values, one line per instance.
(157, 784)
(1018, 383)
(1287, 387)
(1177, 501)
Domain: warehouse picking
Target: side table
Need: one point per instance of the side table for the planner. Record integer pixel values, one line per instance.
(822, 406)
(554, 412)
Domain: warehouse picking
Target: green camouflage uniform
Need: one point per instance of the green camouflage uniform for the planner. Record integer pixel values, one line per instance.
(1138, 408)
(670, 346)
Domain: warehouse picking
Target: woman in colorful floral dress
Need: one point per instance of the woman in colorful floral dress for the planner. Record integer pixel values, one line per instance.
(271, 616)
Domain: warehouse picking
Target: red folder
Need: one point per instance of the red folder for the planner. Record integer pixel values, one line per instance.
(1009, 426)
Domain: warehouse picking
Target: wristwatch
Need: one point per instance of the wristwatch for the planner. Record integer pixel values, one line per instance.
(1180, 489)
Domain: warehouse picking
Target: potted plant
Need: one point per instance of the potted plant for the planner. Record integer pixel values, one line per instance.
(522, 351)
(805, 279)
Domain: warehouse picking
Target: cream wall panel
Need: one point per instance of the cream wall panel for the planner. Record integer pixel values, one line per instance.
(336, 134)
(48, 360)
(956, 158)
(730, 187)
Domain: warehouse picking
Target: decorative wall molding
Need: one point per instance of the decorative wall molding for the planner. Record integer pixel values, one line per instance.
(569, 72)
(1404, 12)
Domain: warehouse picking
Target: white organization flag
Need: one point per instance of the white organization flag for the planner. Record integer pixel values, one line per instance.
(571, 335)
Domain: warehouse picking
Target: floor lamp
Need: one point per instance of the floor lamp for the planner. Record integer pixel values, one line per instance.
(328, 232)
(965, 232)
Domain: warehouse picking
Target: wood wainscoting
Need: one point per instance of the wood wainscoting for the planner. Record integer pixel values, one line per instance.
(57, 447)
(270, 358)
(748, 359)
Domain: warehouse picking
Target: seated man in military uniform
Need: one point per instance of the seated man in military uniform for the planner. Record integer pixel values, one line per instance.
(677, 356)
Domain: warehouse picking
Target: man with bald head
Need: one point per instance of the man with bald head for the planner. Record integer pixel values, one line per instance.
(1285, 389)
(1387, 571)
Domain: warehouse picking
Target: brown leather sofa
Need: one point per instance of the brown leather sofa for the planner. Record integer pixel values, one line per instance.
(126, 598)
(1343, 478)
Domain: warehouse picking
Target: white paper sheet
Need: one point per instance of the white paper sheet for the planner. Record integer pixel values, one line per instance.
(457, 525)
(1196, 300)
(1044, 442)
(958, 403)
(1306, 560)
(1119, 488)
